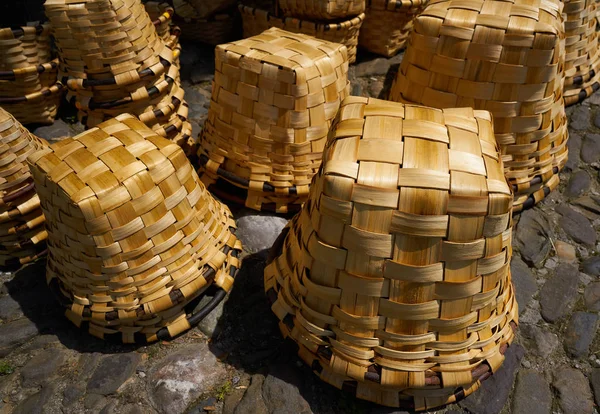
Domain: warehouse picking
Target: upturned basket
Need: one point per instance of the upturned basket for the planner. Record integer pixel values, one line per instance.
(496, 58)
(322, 9)
(28, 74)
(582, 61)
(134, 236)
(394, 279)
(22, 233)
(256, 21)
(221, 27)
(387, 25)
(273, 100)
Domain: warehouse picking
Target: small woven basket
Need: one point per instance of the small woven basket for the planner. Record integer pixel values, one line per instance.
(28, 74)
(387, 25)
(219, 28)
(582, 61)
(22, 233)
(134, 236)
(322, 9)
(162, 16)
(394, 280)
(256, 21)
(497, 59)
(274, 97)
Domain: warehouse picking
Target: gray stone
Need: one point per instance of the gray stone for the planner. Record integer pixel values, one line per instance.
(591, 296)
(559, 292)
(595, 380)
(258, 231)
(587, 203)
(375, 88)
(578, 184)
(574, 395)
(356, 88)
(72, 394)
(591, 266)
(58, 130)
(597, 120)
(87, 364)
(581, 119)
(576, 225)
(10, 309)
(180, 378)
(542, 341)
(524, 282)
(112, 372)
(109, 408)
(15, 334)
(94, 402)
(590, 148)
(580, 334)
(281, 391)
(532, 394)
(533, 237)
(210, 324)
(42, 367)
(494, 392)
(253, 402)
(379, 66)
(574, 145)
(35, 403)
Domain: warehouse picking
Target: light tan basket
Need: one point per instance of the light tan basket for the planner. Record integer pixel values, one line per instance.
(162, 15)
(219, 28)
(322, 9)
(134, 236)
(497, 59)
(22, 233)
(28, 74)
(255, 21)
(387, 25)
(394, 280)
(582, 61)
(274, 97)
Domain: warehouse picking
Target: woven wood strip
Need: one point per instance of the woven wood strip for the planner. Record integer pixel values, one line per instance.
(274, 97)
(162, 15)
(22, 233)
(256, 21)
(322, 9)
(395, 276)
(216, 29)
(134, 236)
(202, 9)
(387, 25)
(492, 55)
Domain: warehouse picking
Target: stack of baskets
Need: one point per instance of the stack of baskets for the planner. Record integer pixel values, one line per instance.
(336, 21)
(113, 61)
(22, 233)
(387, 25)
(582, 61)
(211, 22)
(28, 75)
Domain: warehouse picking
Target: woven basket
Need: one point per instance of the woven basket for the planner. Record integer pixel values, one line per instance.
(28, 74)
(387, 25)
(134, 236)
(394, 280)
(214, 30)
(582, 61)
(22, 233)
(162, 15)
(497, 59)
(274, 97)
(322, 9)
(202, 9)
(255, 21)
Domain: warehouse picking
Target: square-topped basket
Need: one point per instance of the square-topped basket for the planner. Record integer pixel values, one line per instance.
(394, 279)
(274, 98)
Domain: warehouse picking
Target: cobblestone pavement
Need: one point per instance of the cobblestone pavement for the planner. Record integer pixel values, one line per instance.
(236, 362)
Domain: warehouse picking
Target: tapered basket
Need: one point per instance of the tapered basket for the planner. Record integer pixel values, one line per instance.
(322, 9)
(22, 233)
(394, 279)
(161, 14)
(387, 25)
(256, 21)
(28, 74)
(582, 62)
(134, 236)
(274, 97)
(221, 27)
(495, 58)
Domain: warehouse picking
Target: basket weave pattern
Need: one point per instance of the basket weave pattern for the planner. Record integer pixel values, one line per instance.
(134, 235)
(215, 29)
(394, 279)
(492, 55)
(204, 9)
(274, 97)
(322, 9)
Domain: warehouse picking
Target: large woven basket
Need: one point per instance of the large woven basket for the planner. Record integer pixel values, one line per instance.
(394, 280)
(274, 97)
(493, 57)
(204, 9)
(582, 62)
(322, 9)
(134, 236)
(387, 25)
(255, 21)
(28, 74)
(161, 14)
(22, 233)
(218, 28)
